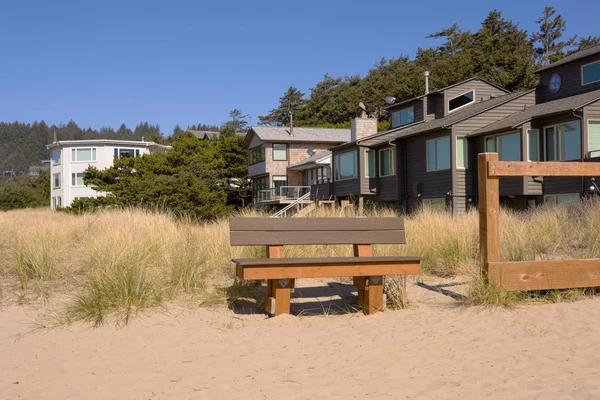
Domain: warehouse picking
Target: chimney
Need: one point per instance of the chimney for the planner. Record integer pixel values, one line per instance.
(426, 82)
(362, 127)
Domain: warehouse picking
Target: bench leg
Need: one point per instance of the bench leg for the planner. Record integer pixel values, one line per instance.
(270, 298)
(281, 290)
(360, 283)
(374, 295)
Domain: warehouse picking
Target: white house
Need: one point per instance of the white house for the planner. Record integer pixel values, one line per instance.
(71, 158)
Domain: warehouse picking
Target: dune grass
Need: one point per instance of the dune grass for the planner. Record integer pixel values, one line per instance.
(112, 264)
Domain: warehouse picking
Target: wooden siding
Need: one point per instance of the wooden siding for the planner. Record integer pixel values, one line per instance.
(435, 106)
(322, 191)
(367, 185)
(593, 110)
(570, 76)
(387, 188)
(509, 186)
(483, 91)
(348, 187)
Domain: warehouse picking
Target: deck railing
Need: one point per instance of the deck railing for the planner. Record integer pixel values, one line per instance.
(285, 193)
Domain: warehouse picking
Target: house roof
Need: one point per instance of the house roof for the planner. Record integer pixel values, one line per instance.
(572, 103)
(442, 90)
(590, 51)
(314, 135)
(311, 161)
(106, 142)
(442, 123)
(211, 135)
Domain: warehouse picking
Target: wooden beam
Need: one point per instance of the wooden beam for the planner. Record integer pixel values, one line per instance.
(489, 211)
(286, 271)
(315, 224)
(272, 252)
(542, 275)
(374, 295)
(258, 237)
(361, 250)
(520, 168)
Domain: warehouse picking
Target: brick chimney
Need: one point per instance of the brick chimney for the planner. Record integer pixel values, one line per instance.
(362, 127)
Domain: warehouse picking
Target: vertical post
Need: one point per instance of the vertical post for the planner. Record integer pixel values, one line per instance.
(361, 205)
(361, 250)
(489, 211)
(271, 305)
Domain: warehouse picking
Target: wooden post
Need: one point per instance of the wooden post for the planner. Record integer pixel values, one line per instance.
(272, 290)
(374, 295)
(489, 211)
(361, 250)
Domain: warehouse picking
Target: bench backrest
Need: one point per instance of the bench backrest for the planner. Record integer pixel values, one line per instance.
(286, 231)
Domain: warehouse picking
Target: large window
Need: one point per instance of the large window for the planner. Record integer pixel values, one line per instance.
(461, 101)
(83, 155)
(126, 152)
(370, 167)
(462, 159)
(345, 166)
(77, 179)
(278, 182)
(438, 154)
(590, 73)
(559, 198)
(256, 154)
(56, 181)
(316, 176)
(434, 204)
(594, 138)
(259, 184)
(403, 117)
(279, 151)
(56, 154)
(507, 145)
(386, 162)
(533, 145)
(563, 142)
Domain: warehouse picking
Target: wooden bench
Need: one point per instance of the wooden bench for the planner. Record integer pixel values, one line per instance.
(367, 271)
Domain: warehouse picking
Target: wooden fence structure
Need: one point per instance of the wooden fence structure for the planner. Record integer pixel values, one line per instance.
(526, 275)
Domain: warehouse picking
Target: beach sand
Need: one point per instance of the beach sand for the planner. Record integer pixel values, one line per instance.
(434, 349)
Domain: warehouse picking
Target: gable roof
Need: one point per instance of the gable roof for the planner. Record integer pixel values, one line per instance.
(442, 90)
(572, 103)
(211, 135)
(590, 51)
(311, 135)
(311, 161)
(442, 123)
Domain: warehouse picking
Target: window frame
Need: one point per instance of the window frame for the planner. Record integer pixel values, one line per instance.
(136, 152)
(464, 105)
(392, 162)
(355, 174)
(498, 135)
(435, 153)
(547, 196)
(75, 150)
(465, 153)
(585, 65)
(59, 151)
(557, 142)
(428, 203)
(74, 179)
(588, 135)
(537, 131)
(273, 151)
(54, 179)
(367, 169)
(254, 150)
(399, 113)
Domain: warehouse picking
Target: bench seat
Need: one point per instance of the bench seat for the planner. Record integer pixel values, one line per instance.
(290, 268)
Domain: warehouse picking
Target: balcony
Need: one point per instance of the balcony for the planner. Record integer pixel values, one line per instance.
(281, 195)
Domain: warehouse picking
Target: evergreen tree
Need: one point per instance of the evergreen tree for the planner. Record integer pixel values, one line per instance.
(238, 121)
(551, 29)
(291, 102)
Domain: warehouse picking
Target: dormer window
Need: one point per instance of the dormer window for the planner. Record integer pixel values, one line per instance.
(403, 117)
(460, 101)
(590, 73)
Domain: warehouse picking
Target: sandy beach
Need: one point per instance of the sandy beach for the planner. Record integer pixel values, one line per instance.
(434, 349)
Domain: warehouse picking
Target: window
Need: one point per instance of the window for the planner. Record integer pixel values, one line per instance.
(590, 73)
(126, 152)
(461, 101)
(77, 179)
(370, 167)
(56, 202)
(82, 198)
(559, 198)
(278, 182)
(507, 145)
(533, 145)
(563, 142)
(256, 154)
(56, 156)
(386, 162)
(279, 151)
(594, 137)
(438, 154)
(435, 204)
(462, 154)
(403, 117)
(316, 176)
(83, 155)
(56, 181)
(259, 184)
(345, 166)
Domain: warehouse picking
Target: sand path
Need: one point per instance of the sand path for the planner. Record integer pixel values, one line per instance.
(431, 350)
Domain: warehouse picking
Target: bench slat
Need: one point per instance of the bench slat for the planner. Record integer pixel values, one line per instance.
(262, 238)
(322, 260)
(315, 224)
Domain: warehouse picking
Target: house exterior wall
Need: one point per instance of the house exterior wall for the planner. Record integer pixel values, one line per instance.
(483, 91)
(347, 187)
(322, 191)
(417, 107)
(570, 77)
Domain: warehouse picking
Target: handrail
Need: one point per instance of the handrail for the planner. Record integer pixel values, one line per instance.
(282, 193)
(295, 203)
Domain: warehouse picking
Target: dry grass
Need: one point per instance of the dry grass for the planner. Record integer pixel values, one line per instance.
(112, 264)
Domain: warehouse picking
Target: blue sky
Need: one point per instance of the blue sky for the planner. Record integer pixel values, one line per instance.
(103, 63)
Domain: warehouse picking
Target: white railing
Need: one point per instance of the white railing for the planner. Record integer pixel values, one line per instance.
(286, 193)
(300, 200)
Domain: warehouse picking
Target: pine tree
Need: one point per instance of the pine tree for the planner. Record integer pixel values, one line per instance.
(551, 29)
